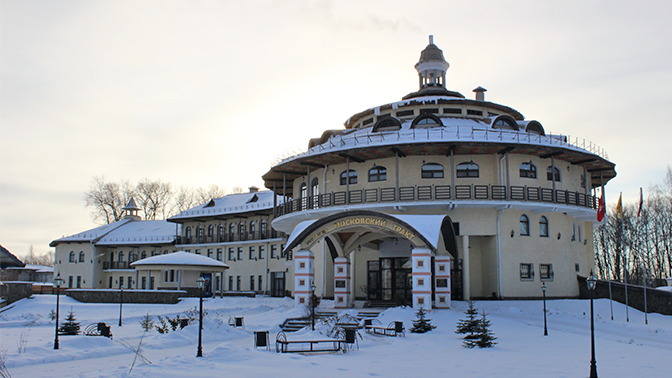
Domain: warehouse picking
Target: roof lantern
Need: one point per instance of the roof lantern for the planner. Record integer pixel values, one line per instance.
(432, 66)
(131, 209)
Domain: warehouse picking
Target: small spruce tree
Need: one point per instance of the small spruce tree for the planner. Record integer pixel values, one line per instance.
(486, 339)
(469, 327)
(422, 324)
(147, 322)
(70, 327)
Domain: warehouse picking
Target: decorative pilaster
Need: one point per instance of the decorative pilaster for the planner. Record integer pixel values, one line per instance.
(304, 276)
(422, 276)
(342, 297)
(442, 281)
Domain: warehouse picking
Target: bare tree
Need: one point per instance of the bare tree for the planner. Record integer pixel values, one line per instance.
(107, 199)
(45, 259)
(214, 191)
(184, 199)
(237, 190)
(154, 198)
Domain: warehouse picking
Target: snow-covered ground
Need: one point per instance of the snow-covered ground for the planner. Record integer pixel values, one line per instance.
(623, 349)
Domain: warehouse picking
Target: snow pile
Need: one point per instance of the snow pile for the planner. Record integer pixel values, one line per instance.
(623, 349)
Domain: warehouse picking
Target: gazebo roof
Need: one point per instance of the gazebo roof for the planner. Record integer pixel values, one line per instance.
(182, 259)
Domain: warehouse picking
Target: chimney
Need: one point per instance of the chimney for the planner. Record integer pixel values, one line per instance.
(431, 39)
(253, 189)
(480, 93)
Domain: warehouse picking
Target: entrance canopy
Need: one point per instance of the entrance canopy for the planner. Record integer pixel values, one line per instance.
(422, 231)
(180, 260)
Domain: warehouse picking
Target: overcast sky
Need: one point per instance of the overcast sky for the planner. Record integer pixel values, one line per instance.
(211, 92)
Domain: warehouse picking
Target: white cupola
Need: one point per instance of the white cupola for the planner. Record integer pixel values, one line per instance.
(432, 66)
(131, 210)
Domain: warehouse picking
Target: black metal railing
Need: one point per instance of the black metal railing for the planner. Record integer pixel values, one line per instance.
(438, 193)
(115, 265)
(228, 238)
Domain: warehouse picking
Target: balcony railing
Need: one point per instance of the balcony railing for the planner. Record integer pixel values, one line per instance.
(228, 238)
(438, 193)
(115, 265)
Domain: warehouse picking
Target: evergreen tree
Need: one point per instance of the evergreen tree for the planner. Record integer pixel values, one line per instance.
(486, 339)
(422, 324)
(147, 322)
(469, 327)
(70, 327)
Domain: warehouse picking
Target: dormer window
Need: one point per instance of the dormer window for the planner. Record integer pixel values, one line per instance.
(387, 124)
(426, 120)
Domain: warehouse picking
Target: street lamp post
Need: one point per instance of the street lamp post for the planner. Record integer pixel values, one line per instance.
(593, 364)
(543, 290)
(312, 305)
(121, 300)
(58, 281)
(201, 286)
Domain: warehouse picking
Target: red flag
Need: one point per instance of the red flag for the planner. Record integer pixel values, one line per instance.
(600, 209)
(641, 201)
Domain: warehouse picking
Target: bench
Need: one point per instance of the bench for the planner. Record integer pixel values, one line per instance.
(283, 345)
(98, 329)
(395, 328)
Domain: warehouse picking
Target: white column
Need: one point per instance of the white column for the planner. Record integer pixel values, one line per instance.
(179, 279)
(342, 282)
(149, 278)
(442, 281)
(304, 275)
(465, 268)
(422, 277)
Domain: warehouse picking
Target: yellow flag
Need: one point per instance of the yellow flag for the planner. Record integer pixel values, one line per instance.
(619, 206)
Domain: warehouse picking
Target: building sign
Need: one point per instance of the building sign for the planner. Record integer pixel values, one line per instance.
(365, 221)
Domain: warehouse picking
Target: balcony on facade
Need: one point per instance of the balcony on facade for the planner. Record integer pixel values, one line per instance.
(424, 193)
(230, 238)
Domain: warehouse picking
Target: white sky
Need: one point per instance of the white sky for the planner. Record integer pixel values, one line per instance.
(202, 92)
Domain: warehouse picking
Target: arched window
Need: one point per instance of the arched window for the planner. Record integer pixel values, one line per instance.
(543, 227)
(232, 230)
(583, 181)
(253, 227)
(504, 122)
(121, 256)
(426, 120)
(211, 230)
(348, 177)
(552, 172)
(81, 256)
(241, 231)
(387, 124)
(432, 170)
(377, 173)
(524, 225)
(72, 257)
(199, 231)
(187, 232)
(528, 170)
(263, 228)
(222, 228)
(315, 192)
(143, 255)
(467, 169)
(303, 190)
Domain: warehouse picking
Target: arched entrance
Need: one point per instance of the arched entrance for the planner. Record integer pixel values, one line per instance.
(398, 259)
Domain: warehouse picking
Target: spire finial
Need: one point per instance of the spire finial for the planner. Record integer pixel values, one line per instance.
(431, 39)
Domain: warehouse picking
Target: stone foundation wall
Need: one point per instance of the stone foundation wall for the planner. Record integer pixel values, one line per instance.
(129, 296)
(14, 291)
(656, 300)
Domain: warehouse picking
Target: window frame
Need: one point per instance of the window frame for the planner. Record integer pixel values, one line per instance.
(553, 171)
(546, 272)
(465, 170)
(543, 221)
(351, 177)
(524, 225)
(527, 274)
(427, 172)
(530, 173)
(377, 174)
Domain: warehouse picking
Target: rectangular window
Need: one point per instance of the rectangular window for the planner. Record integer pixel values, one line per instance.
(210, 252)
(251, 283)
(260, 285)
(526, 272)
(121, 281)
(546, 272)
(274, 251)
(452, 111)
(198, 251)
(130, 282)
(143, 283)
(110, 283)
(172, 275)
(262, 251)
(474, 112)
(404, 113)
(577, 267)
(238, 283)
(79, 282)
(367, 121)
(252, 254)
(240, 253)
(429, 111)
(231, 257)
(219, 254)
(230, 283)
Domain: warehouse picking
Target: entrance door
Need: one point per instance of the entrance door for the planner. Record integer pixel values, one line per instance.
(455, 280)
(388, 280)
(277, 284)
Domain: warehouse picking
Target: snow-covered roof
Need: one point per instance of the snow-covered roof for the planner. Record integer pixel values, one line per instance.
(180, 258)
(125, 231)
(141, 232)
(231, 204)
(36, 268)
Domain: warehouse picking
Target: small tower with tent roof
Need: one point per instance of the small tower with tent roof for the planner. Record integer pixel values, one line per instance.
(131, 210)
